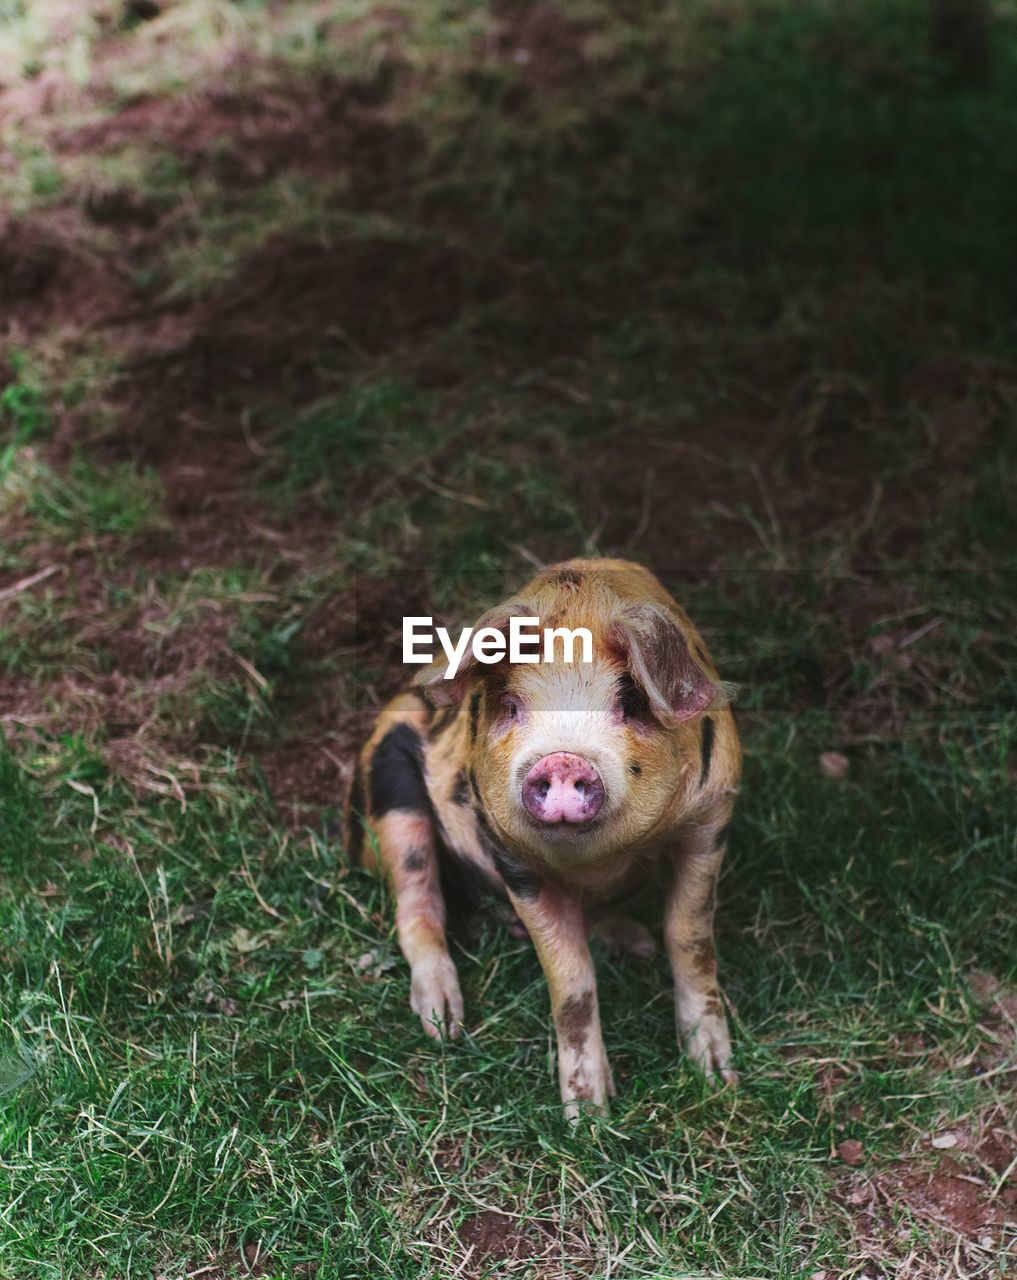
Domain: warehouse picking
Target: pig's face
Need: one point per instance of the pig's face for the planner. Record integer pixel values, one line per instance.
(568, 761)
(571, 761)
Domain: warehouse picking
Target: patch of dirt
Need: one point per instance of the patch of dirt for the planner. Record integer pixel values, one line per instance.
(307, 774)
(792, 457)
(368, 616)
(269, 328)
(996, 1151)
(628, 486)
(693, 497)
(942, 1208)
(48, 276)
(495, 1237)
(908, 666)
(129, 681)
(321, 125)
(20, 702)
(334, 621)
(852, 1152)
(916, 1218)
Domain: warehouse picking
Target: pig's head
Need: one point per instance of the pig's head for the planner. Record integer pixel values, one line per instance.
(572, 760)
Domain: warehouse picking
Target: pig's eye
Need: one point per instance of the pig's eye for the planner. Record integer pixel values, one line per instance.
(510, 713)
(631, 700)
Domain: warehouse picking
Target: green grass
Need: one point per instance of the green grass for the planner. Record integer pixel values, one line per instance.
(732, 298)
(212, 1061)
(23, 414)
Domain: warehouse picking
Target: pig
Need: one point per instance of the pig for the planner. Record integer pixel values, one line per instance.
(562, 785)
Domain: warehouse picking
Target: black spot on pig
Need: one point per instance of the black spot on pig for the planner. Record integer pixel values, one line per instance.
(637, 769)
(415, 860)
(633, 701)
(706, 749)
(441, 722)
(397, 773)
(519, 879)
(580, 1087)
(465, 881)
(575, 1018)
(705, 957)
(568, 579)
(460, 789)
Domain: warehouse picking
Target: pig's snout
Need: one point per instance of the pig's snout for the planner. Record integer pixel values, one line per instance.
(563, 787)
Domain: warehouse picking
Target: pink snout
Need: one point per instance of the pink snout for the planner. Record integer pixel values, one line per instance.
(563, 787)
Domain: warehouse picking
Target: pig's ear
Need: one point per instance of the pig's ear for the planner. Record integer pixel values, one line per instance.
(659, 661)
(446, 693)
(441, 692)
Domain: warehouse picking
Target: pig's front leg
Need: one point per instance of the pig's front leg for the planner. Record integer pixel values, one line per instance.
(688, 928)
(406, 844)
(556, 924)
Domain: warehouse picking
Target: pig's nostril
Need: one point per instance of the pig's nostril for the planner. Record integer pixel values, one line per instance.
(563, 787)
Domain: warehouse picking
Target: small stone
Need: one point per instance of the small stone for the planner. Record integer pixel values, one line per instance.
(851, 1152)
(944, 1141)
(834, 765)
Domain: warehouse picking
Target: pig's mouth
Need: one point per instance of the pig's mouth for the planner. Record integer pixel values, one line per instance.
(563, 793)
(564, 833)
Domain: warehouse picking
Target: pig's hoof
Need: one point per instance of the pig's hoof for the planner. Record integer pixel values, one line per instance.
(619, 933)
(578, 1109)
(586, 1086)
(592, 1102)
(708, 1045)
(435, 997)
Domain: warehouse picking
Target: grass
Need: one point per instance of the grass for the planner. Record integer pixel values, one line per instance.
(455, 289)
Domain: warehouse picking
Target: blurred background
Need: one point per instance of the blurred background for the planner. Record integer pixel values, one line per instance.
(317, 313)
